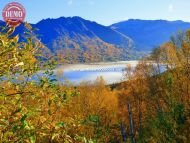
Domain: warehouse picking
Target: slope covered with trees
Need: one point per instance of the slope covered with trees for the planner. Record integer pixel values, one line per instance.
(80, 40)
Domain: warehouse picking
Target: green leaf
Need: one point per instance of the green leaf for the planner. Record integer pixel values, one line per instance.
(60, 124)
(23, 118)
(93, 118)
(15, 128)
(53, 80)
(33, 139)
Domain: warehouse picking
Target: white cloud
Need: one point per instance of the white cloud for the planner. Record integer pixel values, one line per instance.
(70, 2)
(171, 8)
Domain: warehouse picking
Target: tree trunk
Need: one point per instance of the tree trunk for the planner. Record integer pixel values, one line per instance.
(131, 124)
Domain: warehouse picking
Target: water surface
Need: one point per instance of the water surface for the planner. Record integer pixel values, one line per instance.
(112, 72)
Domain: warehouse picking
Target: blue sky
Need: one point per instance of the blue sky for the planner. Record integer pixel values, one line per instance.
(105, 12)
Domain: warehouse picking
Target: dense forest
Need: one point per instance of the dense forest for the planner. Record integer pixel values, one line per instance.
(152, 106)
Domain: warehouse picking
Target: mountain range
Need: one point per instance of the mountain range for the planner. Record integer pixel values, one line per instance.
(148, 34)
(79, 40)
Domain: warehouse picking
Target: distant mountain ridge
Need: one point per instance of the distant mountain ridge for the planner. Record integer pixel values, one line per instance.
(80, 40)
(147, 34)
(72, 27)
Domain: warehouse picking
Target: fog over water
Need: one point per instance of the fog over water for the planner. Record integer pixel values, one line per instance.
(112, 72)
